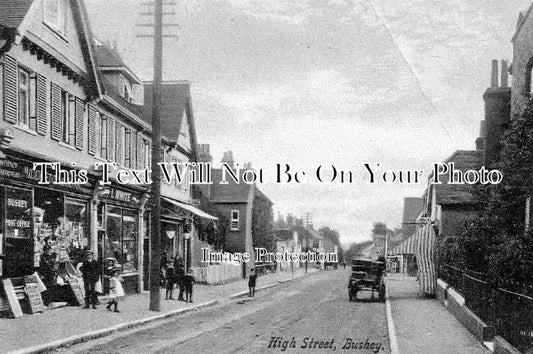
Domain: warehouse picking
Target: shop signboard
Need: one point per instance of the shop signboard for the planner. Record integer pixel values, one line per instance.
(34, 294)
(23, 171)
(12, 298)
(77, 290)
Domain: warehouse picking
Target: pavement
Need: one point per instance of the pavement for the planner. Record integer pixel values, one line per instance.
(418, 324)
(70, 325)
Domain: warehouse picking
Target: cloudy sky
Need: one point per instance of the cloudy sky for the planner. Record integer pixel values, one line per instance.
(331, 82)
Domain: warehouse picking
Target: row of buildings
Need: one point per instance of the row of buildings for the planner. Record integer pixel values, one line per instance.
(69, 104)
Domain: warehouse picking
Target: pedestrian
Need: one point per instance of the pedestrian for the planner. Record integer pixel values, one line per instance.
(90, 270)
(47, 273)
(251, 282)
(170, 279)
(188, 284)
(108, 273)
(180, 276)
(163, 268)
(116, 291)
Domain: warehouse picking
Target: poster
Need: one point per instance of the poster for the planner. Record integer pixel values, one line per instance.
(355, 174)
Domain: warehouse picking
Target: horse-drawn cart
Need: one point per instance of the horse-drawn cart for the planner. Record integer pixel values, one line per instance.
(366, 275)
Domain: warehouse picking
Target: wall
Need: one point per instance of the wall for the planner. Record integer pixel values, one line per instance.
(522, 53)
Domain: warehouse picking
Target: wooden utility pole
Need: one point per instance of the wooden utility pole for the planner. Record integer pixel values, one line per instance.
(155, 237)
(155, 227)
(308, 220)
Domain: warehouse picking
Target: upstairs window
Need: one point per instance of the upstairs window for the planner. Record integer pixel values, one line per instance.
(125, 89)
(147, 154)
(68, 118)
(55, 15)
(234, 226)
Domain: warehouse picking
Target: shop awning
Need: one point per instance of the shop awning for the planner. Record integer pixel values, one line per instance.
(190, 208)
(407, 246)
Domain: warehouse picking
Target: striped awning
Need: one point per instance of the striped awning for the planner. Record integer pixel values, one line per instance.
(425, 259)
(422, 245)
(407, 246)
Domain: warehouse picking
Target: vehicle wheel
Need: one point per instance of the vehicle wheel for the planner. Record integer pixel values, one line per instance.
(382, 293)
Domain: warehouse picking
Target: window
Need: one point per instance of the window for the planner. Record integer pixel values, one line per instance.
(27, 100)
(127, 149)
(121, 242)
(24, 98)
(68, 118)
(147, 154)
(234, 220)
(103, 136)
(125, 89)
(55, 15)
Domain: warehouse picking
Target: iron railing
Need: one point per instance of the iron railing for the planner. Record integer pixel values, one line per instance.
(507, 306)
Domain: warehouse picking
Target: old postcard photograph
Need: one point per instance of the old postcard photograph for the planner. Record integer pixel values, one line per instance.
(266, 176)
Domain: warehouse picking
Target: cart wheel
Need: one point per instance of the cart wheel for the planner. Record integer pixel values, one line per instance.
(382, 293)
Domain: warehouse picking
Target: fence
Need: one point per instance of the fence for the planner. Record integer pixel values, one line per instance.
(507, 306)
(218, 273)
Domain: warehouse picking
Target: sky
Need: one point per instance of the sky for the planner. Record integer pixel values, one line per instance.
(340, 83)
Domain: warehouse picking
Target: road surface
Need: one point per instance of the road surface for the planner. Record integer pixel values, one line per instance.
(308, 315)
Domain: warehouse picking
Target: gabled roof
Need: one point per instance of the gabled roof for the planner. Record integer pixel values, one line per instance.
(175, 104)
(522, 18)
(13, 12)
(458, 194)
(233, 192)
(110, 60)
(228, 193)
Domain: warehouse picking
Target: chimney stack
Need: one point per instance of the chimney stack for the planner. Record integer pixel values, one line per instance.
(504, 74)
(204, 154)
(497, 114)
(227, 158)
(480, 141)
(494, 74)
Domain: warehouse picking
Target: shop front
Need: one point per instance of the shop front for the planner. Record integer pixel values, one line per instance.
(43, 227)
(120, 228)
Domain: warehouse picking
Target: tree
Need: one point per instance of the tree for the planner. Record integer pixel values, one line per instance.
(208, 232)
(262, 223)
(495, 242)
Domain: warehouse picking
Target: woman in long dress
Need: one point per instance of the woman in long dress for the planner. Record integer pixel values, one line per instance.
(116, 291)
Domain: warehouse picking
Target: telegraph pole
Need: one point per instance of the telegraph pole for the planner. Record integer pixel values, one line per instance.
(308, 220)
(155, 230)
(155, 241)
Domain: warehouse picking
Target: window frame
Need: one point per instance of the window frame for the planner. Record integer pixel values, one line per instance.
(59, 23)
(234, 220)
(26, 104)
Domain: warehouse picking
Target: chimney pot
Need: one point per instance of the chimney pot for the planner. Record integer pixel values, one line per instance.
(494, 74)
(504, 74)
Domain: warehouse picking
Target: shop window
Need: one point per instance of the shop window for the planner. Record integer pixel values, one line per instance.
(121, 242)
(17, 207)
(61, 224)
(55, 15)
(234, 220)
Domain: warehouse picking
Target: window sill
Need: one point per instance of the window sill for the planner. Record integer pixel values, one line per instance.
(71, 147)
(25, 129)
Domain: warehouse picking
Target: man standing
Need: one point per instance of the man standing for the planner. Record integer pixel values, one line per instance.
(90, 269)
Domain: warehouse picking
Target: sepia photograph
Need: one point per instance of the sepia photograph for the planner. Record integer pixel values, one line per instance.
(266, 176)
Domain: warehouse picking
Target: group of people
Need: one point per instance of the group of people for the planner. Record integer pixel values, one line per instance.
(173, 273)
(90, 270)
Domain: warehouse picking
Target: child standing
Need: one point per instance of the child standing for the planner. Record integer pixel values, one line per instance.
(170, 279)
(188, 283)
(251, 283)
(116, 292)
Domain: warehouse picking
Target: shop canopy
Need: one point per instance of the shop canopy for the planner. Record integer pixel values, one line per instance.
(190, 208)
(407, 246)
(422, 245)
